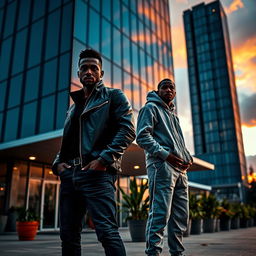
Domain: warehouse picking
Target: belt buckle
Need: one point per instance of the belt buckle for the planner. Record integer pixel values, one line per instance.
(77, 161)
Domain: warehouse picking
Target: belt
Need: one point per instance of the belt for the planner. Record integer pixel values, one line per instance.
(76, 161)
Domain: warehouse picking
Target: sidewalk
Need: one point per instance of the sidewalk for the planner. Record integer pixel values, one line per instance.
(241, 242)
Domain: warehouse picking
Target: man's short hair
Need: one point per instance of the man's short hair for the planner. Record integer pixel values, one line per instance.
(90, 53)
(164, 80)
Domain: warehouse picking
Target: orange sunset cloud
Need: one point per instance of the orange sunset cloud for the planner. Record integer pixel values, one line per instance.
(234, 6)
(244, 58)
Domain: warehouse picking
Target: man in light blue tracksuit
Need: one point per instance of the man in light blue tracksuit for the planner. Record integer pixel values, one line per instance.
(167, 160)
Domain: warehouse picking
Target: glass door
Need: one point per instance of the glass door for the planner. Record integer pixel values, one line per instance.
(50, 203)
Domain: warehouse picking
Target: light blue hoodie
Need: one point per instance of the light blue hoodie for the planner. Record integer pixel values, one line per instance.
(159, 132)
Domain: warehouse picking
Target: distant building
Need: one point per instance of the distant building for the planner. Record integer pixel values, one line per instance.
(215, 110)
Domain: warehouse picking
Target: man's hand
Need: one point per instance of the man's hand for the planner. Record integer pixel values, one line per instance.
(62, 166)
(178, 162)
(95, 165)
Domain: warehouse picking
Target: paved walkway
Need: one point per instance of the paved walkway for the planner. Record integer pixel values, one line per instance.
(241, 242)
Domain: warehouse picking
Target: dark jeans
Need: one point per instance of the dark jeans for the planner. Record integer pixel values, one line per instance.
(91, 191)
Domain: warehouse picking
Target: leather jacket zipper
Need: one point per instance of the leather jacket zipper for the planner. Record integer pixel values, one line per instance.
(80, 128)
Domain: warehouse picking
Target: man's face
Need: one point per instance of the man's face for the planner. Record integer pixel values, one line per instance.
(90, 71)
(167, 91)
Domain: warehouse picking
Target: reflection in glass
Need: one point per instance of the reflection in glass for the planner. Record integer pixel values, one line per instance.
(64, 71)
(36, 170)
(117, 46)
(106, 39)
(117, 79)
(35, 195)
(49, 205)
(106, 66)
(24, 9)
(126, 20)
(127, 86)
(116, 13)
(106, 9)
(18, 188)
(10, 15)
(136, 95)
(126, 54)
(62, 106)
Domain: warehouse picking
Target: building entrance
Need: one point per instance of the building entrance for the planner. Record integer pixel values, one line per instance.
(50, 205)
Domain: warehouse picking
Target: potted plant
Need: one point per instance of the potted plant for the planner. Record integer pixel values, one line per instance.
(225, 215)
(195, 214)
(235, 219)
(244, 216)
(210, 209)
(136, 204)
(27, 224)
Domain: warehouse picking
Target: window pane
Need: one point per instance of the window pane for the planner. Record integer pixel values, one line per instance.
(66, 30)
(24, 9)
(35, 46)
(19, 181)
(136, 95)
(11, 124)
(80, 21)
(52, 38)
(49, 77)
(117, 47)
(19, 52)
(126, 54)
(107, 72)
(32, 84)
(94, 26)
(116, 13)
(2, 95)
(127, 86)
(15, 91)
(39, 9)
(54, 4)
(5, 58)
(64, 71)
(106, 39)
(10, 18)
(29, 119)
(47, 114)
(63, 102)
(106, 9)
(117, 83)
(126, 21)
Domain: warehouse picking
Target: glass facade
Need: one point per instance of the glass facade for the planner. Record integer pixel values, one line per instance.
(36, 49)
(215, 110)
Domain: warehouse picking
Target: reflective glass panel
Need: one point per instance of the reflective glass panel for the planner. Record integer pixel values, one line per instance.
(32, 84)
(80, 21)
(11, 124)
(47, 114)
(15, 91)
(29, 119)
(49, 77)
(94, 30)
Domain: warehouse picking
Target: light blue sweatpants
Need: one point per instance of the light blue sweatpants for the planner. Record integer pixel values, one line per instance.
(168, 189)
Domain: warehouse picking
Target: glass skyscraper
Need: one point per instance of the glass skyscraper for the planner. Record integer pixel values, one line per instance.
(215, 110)
(40, 41)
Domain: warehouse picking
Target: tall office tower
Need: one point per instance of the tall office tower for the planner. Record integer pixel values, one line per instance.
(40, 41)
(215, 110)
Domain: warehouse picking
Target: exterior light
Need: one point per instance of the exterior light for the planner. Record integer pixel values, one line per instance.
(136, 167)
(50, 172)
(32, 158)
(213, 10)
(15, 168)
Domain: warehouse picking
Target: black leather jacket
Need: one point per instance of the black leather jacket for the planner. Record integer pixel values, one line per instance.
(106, 127)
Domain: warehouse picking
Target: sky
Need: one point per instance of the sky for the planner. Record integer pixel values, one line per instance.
(241, 16)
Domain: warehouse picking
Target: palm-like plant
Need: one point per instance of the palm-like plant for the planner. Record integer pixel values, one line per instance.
(134, 204)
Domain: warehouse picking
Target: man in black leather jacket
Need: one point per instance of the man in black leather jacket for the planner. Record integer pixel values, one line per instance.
(98, 128)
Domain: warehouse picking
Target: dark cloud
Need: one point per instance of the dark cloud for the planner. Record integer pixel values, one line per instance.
(242, 22)
(248, 109)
